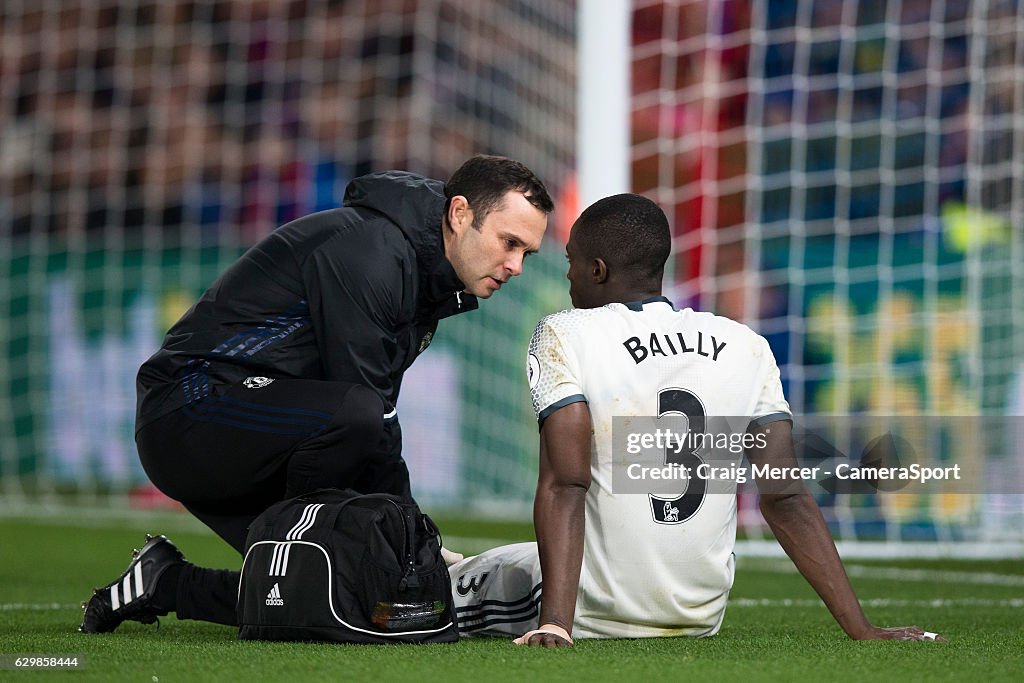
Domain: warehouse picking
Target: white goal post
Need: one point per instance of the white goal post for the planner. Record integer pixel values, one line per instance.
(846, 178)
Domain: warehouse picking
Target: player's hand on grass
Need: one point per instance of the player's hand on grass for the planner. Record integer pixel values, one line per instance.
(548, 635)
(548, 640)
(899, 633)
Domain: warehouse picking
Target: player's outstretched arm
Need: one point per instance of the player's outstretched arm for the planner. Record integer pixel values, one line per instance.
(559, 518)
(796, 521)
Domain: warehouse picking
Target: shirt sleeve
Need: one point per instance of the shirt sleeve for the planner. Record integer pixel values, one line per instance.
(552, 372)
(771, 402)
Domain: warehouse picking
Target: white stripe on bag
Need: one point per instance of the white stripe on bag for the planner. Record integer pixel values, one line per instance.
(273, 560)
(301, 528)
(312, 520)
(284, 564)
(302, 520)
(279, 558)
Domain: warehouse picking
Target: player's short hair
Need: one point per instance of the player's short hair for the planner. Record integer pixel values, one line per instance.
(627, 231)
(484, 180)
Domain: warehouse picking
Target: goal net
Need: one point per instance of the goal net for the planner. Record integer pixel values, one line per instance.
(147, 143)
(846, 178)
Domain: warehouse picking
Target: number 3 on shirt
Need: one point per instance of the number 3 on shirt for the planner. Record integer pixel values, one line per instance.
(678, 510)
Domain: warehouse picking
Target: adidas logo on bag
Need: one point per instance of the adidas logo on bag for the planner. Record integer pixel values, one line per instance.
(274, 598)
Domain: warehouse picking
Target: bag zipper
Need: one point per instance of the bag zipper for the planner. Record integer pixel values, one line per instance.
(409, 578)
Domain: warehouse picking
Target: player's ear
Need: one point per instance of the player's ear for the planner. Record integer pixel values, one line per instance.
(599, 271)
(460, 215)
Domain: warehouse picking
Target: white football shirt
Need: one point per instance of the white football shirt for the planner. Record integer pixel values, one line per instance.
(646, 572)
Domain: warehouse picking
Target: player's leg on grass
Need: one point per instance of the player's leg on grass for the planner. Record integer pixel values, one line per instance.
(498, 591)
(134, 594)
(231, 456)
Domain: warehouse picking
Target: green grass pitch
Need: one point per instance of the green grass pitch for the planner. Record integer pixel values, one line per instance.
(775, 629)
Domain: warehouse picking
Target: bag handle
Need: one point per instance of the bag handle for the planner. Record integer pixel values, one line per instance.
(331, 496)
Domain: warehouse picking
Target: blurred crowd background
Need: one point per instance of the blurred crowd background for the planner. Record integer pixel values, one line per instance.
(239, 115)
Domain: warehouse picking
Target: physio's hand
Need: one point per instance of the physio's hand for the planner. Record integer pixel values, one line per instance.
(898, 633)
(547, 635)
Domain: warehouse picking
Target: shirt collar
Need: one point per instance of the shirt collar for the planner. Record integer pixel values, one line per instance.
(639, 305)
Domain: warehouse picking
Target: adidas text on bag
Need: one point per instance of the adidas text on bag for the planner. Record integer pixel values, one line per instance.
(274, 597)
(335, 565)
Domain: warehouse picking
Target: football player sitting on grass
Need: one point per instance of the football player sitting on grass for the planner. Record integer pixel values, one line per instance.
(636, 565)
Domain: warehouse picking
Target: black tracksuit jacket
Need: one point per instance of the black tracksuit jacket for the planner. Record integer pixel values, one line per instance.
(351, 294)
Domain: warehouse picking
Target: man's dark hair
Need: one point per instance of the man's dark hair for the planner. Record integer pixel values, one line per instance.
(628, 232)
(484, 180)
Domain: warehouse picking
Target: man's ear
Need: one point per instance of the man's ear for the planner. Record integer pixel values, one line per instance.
(599, 270)
(460, 216)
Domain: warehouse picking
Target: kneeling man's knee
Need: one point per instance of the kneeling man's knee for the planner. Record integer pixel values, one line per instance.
(362, 414)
